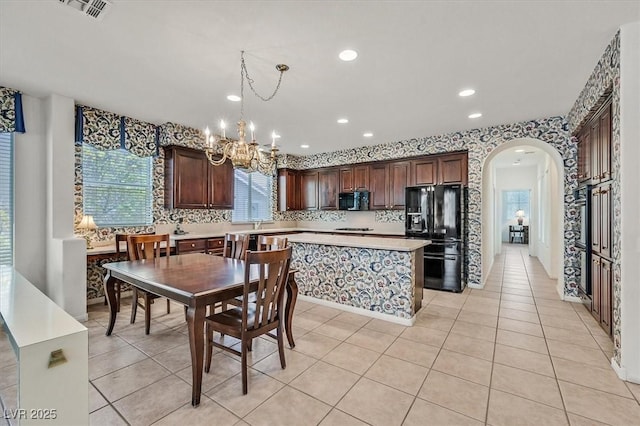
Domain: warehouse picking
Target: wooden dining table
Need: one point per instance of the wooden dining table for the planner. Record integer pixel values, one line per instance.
(196, 281)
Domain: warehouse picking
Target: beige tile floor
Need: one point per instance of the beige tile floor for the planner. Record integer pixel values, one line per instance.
(510, 354)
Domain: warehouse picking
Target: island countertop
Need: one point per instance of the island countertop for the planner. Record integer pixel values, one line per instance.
(397, 244)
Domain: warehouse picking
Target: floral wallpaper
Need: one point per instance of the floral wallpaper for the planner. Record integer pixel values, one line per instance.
(604, 78)
(375, 280)
(11, 118)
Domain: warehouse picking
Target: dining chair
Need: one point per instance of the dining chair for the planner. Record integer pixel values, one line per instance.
(120, 256)
(141, 247)
(235, 245)
(260, 317)
(269, 242)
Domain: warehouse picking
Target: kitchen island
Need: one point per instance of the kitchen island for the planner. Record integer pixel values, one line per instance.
(379, 277)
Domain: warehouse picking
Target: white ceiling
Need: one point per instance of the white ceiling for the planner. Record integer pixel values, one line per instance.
(177, 61)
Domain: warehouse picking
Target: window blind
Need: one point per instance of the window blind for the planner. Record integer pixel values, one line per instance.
(252, 197)
(6, 198)
(117, 187)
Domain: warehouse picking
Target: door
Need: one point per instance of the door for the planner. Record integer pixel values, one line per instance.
(605, 144)
(221, 182)
(605, 295)
(360, 177)
(596, 294)
(453, 169)
(605, 220)
(346, 179)
(595, 220)
(594, 133)
(190, 184)
(328, 189)
(584, 155)
(424, 172)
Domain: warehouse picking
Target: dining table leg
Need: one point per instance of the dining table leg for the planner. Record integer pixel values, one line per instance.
(195, 324)
(110, 292)
(292, 296)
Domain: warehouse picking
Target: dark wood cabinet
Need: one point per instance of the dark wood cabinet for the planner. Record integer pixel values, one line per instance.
(328, 189)
(584, 154)
(424, 172)
(288, 190)
(309, 190)
(379, 186)
(601, 305)
(191, 182)
(318, 189)
(354, 178)
(605, 144)
(201, 245)
(452, 168)
(399, 179)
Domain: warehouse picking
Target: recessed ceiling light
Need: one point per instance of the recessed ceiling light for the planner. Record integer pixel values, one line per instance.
(367, 134)
(516, 163)
(466, 92)
(234, 98)
(348, 55)
(475, 115)
(520, 150)
(342, 121)
(304, 146)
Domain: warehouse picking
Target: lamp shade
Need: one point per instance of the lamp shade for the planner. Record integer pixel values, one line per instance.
(87, 222)
(520, 213)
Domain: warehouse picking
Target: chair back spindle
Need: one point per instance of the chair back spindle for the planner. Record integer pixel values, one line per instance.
(235, 245)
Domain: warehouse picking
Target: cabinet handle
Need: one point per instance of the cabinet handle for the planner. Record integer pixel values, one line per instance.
(603, 191)
(597, 262)
(193, 244)
(596, 192)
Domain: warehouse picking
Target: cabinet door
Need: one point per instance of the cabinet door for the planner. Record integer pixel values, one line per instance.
(453, 169)
(379, 186)
(596, 294)
(424, 172)
(309, 191)
(328, 189)
(221, 183)
(594, 132)
(190, 188)
(595, 220)
(346, 179)
(605, 220)
(191, 246)
(360, 177)
(398, 182)
(605, 144)
(605, 295)
(288, 190)
(584, 155)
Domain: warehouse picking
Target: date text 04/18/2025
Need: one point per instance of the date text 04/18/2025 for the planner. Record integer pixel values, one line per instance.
(30, 414)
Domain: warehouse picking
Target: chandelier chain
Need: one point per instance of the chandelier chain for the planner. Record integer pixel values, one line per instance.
(245, 74)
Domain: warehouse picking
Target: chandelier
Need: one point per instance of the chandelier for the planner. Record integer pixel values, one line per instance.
(246, 155)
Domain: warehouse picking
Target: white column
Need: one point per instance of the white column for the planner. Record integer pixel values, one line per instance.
(630, 200)
(66, 254)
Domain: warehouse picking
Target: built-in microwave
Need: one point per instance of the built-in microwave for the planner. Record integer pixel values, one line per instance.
(583, 205)
(356, 200)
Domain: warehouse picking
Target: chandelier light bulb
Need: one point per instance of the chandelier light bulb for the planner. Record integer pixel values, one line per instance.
(253, 128)
(222, 127)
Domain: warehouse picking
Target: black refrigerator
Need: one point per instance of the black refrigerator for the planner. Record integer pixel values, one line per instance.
(438, 213)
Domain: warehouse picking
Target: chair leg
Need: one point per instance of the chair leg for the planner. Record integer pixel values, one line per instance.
(118, 290)
(244, 367)
(134, 305)
(208, 350)
(168, 307)
(283, 363)
(147, 313)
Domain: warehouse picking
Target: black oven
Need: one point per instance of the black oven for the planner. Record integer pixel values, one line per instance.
(583, 241)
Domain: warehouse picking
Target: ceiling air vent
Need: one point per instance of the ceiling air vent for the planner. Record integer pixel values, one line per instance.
(95, 9)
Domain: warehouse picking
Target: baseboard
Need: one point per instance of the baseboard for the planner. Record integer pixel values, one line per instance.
(359, 311)
(574, 299)
(82, 318)
(476, 286)
(620, 371)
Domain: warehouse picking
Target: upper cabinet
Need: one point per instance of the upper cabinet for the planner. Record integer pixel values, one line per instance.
(594, 147)
(353, 178)
(309, 190)
(288, 190)
(328, 189)
(318, 189)
(191, 182)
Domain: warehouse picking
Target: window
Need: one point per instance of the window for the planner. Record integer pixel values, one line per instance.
(6, 199)
(252, 197)
(512, 202)
(117, 187)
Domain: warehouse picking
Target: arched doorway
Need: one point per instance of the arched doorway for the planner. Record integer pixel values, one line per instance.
(546, 239)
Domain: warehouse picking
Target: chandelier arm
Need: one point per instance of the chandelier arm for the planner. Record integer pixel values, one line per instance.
(211, 154)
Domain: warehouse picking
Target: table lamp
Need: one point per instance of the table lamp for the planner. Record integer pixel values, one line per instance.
(88, 224)
(520, 216)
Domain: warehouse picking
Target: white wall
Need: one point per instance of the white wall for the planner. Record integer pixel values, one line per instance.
(630, 200)
(490, 244)
(30, 195)
(550, 221)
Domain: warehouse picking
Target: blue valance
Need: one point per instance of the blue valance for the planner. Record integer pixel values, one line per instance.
(108, 131)
(11, 118)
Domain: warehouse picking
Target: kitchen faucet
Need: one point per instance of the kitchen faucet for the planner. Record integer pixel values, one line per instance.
(257, 224)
